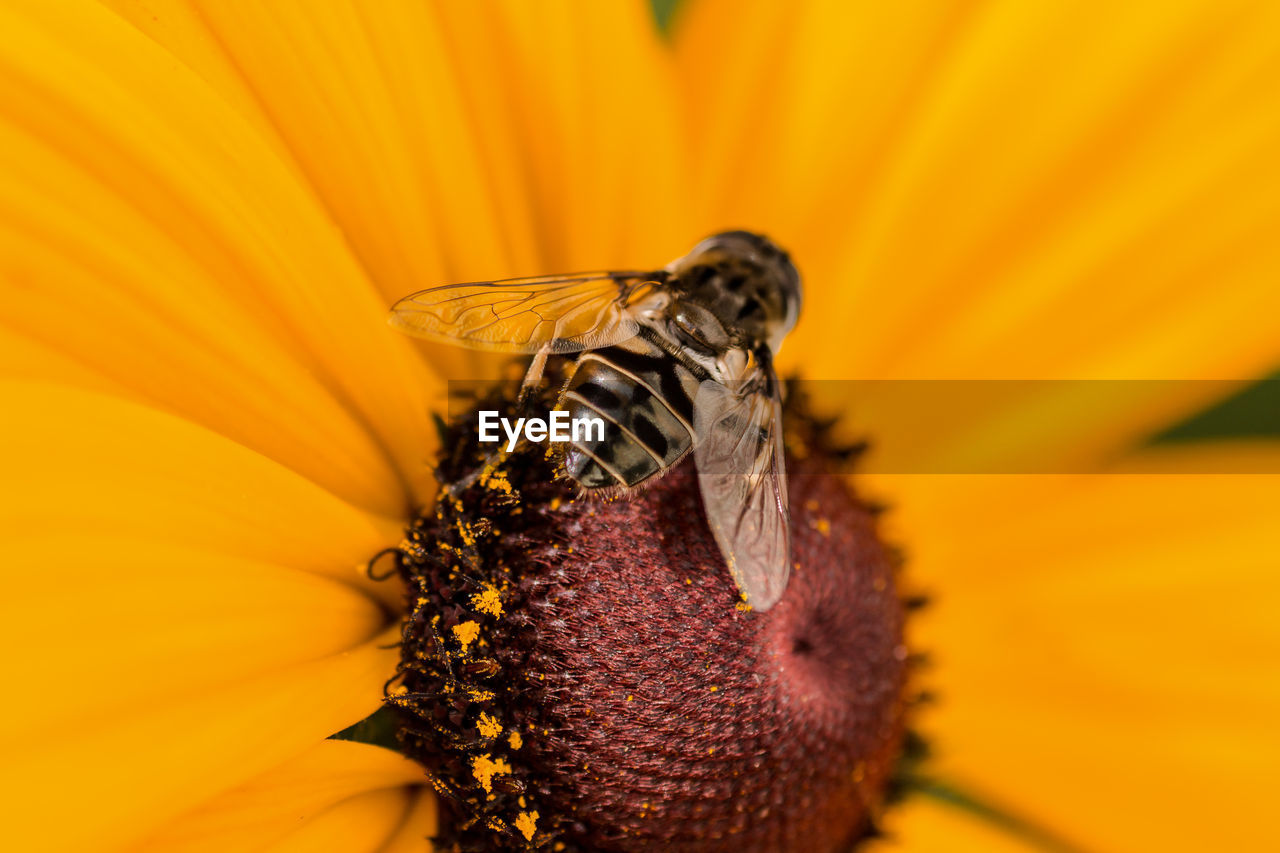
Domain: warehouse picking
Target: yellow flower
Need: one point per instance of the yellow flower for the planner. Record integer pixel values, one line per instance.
(209, 428)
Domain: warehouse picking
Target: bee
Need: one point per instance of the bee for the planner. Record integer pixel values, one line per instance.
(673, 361)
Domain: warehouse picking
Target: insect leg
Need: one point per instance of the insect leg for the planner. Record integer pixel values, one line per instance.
(528, 387)
(532, 377)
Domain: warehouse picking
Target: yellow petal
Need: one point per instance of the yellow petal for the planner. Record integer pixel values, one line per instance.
(285, 800)
(366, 104)
(443, 163)
(1016, 189)
(166, 758)
(1105, 648)
(180, 28)
(1059, 202)
(212, 283)
(420, 824)
(81, 464)
(446, 164)
(1004, 190)
(160, 651)
(362, 823)
(129, 623)
(1007, 427)
(922, 826)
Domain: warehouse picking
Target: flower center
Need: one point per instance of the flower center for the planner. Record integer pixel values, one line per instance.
(578, 673)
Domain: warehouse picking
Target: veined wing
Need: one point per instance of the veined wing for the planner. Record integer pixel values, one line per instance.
(557, 314)
(742, 476)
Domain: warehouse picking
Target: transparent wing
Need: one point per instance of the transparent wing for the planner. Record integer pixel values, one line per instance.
(741, 472)
(558, 314)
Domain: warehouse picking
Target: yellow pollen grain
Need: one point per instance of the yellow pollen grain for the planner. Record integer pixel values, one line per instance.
(630, 697)
(714, 688)
(496, 480)
(821, 525)
(484, 768)
(488, 601)
(466, 632)
(555, 503)
(515, 740)
(742, 607)
(489, 726)
(480, 695)
(527, 823)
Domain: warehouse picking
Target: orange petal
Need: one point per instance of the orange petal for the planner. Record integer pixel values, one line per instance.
(213, 284)
(287, 800)
(1105, 648)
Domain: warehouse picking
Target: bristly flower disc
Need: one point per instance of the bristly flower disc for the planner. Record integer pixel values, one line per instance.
(580, 674)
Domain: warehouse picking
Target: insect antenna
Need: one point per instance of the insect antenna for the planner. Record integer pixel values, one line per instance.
(397, 564)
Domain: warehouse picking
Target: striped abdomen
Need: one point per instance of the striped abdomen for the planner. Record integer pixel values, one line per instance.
(645, 398)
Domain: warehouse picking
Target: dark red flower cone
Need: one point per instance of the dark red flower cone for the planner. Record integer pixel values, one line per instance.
(578, 674)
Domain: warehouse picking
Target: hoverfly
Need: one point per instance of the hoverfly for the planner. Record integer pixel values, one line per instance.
(673, 361)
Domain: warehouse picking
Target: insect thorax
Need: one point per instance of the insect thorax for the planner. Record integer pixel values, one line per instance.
(746, 281)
